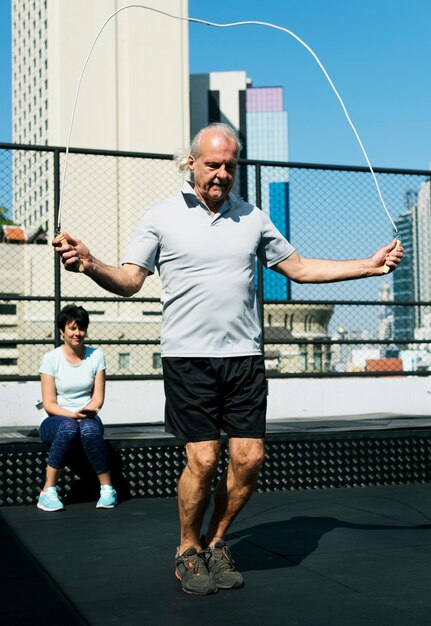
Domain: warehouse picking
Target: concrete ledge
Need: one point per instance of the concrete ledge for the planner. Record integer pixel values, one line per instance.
(294, 398)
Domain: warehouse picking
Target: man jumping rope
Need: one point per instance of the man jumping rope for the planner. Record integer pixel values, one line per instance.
(204, 243)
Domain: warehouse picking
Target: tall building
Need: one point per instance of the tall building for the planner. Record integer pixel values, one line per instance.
(126, 101)
(422, 255)
(134, 96)
(412, 280)
(386, 315)
(267, 141)
(404, 278)
(220, 97)
(258, 114)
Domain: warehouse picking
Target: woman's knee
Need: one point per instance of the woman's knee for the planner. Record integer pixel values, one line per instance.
(90, 430)
(67, 430)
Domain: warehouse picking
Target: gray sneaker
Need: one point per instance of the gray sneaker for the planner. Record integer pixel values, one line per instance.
(221, 567)
(191, 569)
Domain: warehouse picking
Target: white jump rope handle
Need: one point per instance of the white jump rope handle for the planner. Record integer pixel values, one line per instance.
(79, 265)
(386, 268)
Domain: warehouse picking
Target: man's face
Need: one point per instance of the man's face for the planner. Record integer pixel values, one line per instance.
(214, 169)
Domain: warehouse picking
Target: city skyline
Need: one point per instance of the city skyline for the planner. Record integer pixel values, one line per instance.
(376, 54)
(325, 212)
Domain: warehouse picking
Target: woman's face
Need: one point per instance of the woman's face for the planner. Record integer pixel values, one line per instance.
(73, 335)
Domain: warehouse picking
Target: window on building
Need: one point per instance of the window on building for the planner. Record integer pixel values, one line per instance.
(303, 358)
(157, 360)
(7, 309)
(317, 356)
(9, 362)
(124, 361)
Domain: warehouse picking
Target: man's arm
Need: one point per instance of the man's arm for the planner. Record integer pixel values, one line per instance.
(304, 270)
(123, 281)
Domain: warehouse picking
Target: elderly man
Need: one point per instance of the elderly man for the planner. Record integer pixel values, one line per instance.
(204, 243)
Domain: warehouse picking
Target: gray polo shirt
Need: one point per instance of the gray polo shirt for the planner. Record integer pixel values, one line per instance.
(207, 267)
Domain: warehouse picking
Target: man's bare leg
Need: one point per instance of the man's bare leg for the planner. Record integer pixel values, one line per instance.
(236, 486)
(194, 490)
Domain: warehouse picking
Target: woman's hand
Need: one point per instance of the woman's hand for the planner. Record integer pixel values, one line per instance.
(84, 413)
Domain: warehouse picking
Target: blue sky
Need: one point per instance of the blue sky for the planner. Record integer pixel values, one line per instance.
(376, 51)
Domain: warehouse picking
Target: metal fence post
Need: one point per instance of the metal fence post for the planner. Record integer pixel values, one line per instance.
(260, 290)
(57, 261)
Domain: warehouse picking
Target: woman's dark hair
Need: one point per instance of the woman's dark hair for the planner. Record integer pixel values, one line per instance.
(73, 313)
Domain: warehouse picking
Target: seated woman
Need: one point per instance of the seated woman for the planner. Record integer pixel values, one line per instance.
(73, 392)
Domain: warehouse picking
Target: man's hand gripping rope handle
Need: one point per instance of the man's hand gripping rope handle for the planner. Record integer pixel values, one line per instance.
(78, 266)
(386, 268)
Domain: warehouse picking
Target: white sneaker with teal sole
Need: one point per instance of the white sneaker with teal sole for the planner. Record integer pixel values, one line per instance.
(49, 500)
(108, 497)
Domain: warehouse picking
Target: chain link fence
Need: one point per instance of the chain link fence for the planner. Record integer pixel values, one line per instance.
(379, 326)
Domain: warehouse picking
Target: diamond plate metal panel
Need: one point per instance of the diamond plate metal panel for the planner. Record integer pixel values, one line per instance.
(148, 470)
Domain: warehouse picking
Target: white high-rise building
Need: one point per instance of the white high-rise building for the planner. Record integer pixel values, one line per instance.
(134, 94)
(422, 252)
(134, 97)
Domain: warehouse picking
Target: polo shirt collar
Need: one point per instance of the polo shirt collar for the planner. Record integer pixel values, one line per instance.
(192, 199)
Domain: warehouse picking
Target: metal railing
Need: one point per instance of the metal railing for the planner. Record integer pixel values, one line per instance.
(375, 327)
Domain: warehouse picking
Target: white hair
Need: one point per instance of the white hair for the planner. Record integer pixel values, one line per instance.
(182, 157)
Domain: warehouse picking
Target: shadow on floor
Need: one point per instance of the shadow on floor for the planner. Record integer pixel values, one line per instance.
(86, 487)
(287, 543)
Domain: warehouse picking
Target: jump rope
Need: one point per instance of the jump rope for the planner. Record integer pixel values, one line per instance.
(79, 265)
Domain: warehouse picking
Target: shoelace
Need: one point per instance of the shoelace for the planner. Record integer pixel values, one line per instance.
(51, 495)
(222, 558)
(197, 562)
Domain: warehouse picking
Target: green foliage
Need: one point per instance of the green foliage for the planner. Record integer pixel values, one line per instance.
(3, 216)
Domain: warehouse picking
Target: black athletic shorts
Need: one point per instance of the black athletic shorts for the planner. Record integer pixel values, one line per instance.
(206, 395)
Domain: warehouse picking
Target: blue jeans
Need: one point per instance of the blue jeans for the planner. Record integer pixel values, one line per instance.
(63, 432)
